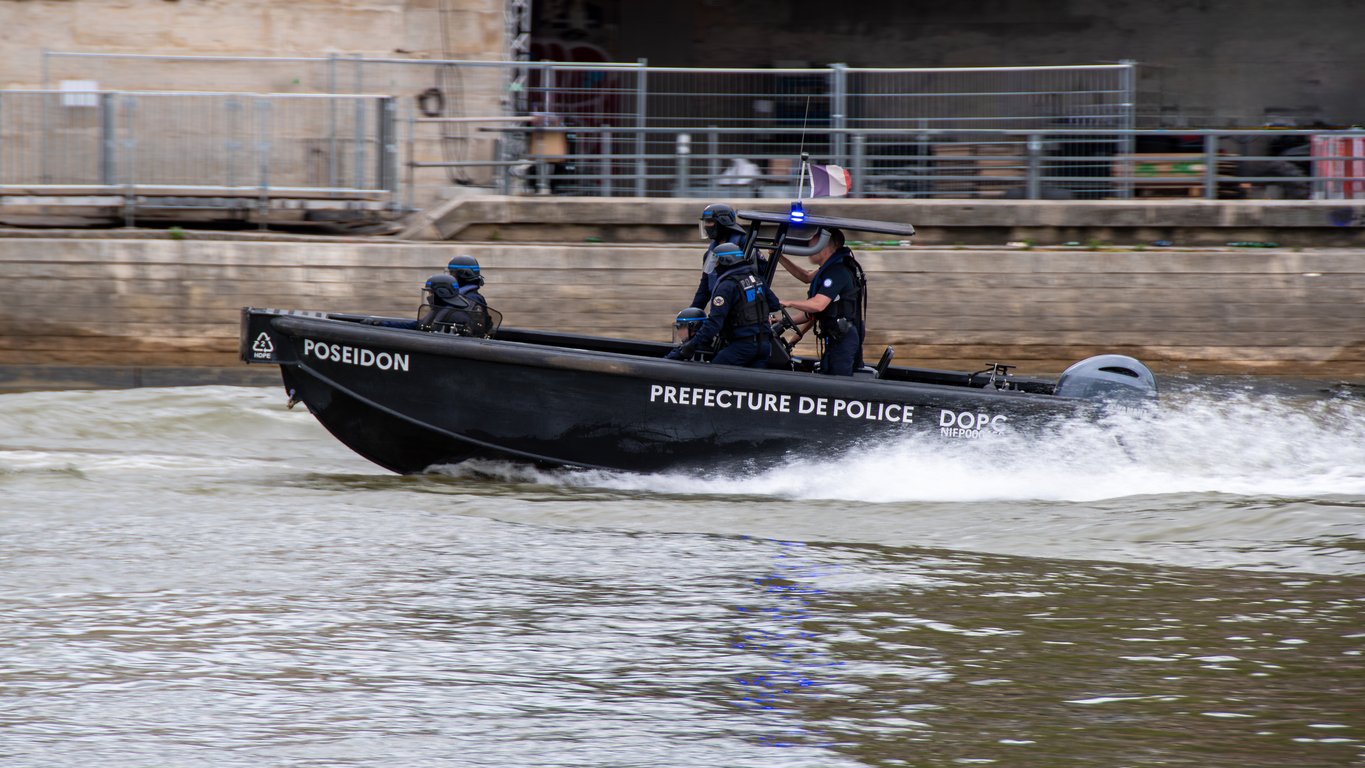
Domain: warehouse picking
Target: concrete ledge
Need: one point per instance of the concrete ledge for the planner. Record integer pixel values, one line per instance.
(27, 378)
(93, 205)
(1311, 223)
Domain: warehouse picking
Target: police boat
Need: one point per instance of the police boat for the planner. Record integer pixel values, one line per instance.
(409, 399)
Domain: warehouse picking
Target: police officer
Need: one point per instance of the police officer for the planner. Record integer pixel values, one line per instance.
(687, 324)
(737, 315)
(456, 306)
(717, 224)
(451, 303)
(836, 301)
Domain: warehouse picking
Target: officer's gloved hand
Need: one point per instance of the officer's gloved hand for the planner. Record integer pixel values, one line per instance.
(680, 352)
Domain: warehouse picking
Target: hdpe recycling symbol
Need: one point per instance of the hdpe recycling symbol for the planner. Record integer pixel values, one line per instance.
(263, 348)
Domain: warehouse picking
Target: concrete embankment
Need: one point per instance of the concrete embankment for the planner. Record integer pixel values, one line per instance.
(143, 308)
(1183, 221)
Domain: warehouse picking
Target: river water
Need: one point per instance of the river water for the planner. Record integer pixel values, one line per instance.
(197, 576)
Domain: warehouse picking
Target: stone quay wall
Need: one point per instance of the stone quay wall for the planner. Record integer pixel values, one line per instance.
(148, 302)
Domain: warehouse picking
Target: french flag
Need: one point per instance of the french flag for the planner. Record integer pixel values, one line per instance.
(829, 181)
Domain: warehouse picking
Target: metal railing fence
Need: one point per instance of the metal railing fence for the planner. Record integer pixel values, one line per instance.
(760, 112)
(937, 163)
(630, 129)
(205, 141)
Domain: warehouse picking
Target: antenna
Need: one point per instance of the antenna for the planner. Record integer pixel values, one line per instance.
(805, 157)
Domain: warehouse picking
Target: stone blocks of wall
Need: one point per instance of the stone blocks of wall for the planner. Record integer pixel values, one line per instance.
(175, 303)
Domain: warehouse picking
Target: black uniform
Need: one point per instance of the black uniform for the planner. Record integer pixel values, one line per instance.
(707, 285)
(840, 327)
(465, 314)
(737, 317)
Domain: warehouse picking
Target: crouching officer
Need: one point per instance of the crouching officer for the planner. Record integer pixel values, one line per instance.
(686, 325)
(446, 310)
(451, 303)
(736, 317)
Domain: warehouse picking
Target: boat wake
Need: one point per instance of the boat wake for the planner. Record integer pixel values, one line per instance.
(1200, 441)
(1211, 480)
(1216, 477)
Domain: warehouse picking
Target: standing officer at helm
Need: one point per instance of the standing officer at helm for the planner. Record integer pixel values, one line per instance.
(836, 301)
(737, 315)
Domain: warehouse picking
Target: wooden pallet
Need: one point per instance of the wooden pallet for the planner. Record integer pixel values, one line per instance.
(1168, 175)
(997, 168)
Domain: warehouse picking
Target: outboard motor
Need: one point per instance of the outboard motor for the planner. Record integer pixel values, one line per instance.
(1108, 377)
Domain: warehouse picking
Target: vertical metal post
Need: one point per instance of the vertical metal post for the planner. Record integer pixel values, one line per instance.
(386, 134)
(129, 164)
(43, 172)
(412, 154)
(1129, 121)
(838, 115)
(1210, 166)
(549, 84)
(108, 139)
(233, 144)
(359, 132)
(684, 159)
(607, 165)
(713, 161)
(641, 96)
(44, 151)
(517, 33)
(859, 151)
(332, 121)
(1319, 189)
(1034, 183)
(263, 136)
(501, 151)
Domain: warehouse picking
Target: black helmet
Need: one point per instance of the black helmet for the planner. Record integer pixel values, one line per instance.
(728, 255)
(686, 324)
(465, 268)
(441, 289)
(715, 218)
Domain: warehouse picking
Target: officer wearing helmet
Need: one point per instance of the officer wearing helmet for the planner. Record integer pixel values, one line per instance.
(686, 325)
(451, 303)
(717, 224)
(465, 269)
(736, 316)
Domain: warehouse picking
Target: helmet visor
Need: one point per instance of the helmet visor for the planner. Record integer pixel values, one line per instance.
(682, 332)
(709, 266)
(706, 228)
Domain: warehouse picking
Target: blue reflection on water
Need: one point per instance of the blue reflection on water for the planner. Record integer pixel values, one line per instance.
(778, 620)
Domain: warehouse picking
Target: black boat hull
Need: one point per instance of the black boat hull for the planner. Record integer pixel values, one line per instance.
(408, 400)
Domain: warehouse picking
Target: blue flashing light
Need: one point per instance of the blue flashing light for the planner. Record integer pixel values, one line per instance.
(797, 215)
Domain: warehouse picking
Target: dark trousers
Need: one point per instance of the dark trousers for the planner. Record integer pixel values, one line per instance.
(749, 351)
(842, 355)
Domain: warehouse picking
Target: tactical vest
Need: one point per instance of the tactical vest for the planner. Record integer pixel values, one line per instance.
(462, 316)
(752, 311)
(849, 306)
